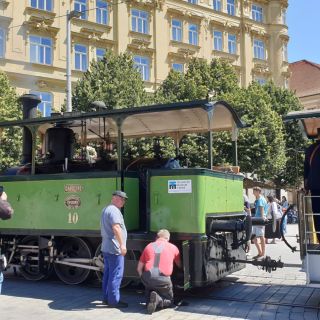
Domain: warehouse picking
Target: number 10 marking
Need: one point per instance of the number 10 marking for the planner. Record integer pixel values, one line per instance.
(73, 217)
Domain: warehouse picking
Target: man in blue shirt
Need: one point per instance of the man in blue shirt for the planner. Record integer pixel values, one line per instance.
(261, 210)
(114, 238)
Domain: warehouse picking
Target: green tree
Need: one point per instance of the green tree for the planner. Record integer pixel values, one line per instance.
(261, 147)
(10, 138)
(113, 80)
(284, 101)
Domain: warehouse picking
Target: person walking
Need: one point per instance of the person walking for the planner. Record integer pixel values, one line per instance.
(155, 268)
(261, 208)
(273, 211)
(114, 238)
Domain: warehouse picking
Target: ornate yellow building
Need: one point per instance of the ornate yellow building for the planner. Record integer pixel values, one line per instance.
(161, 35)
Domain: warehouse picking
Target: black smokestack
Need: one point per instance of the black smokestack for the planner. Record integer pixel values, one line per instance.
(29, 110)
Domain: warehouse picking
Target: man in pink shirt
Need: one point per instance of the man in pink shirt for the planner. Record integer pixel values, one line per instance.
(155, 268)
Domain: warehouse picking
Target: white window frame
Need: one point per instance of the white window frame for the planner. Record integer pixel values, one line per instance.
(99, 56)
(284, 16)
(177, 30)
(40, 51)
(46, 5)
(2, 42)
(81, 6)
(140, 21)
(257, 13)
(179, 67)
(143, 66)
(45, 107)
(217, 40)
(285, 52)
(102, 12)
(259, 49)
(231, 7)
(232, 43)
(216, 5)
(82, 56)
(193, 32)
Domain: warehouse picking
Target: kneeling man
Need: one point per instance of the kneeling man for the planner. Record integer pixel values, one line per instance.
(155, 268)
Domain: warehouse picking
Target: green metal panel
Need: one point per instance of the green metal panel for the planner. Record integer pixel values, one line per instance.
(66, 201)
(205, 193)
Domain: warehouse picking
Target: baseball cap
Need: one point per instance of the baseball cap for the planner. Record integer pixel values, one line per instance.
(120, 194)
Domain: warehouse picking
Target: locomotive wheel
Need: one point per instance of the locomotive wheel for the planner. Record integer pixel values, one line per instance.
(99, 261)
(73, 247)
(29, 266)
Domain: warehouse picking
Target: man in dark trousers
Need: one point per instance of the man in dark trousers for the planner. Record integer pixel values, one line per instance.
(114, 238)
(312, 179)
(155, 268)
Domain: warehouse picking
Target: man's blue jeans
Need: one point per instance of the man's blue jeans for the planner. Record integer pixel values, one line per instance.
(1, 280)
(112, 277)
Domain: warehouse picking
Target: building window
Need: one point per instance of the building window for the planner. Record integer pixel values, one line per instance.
(80, 57)
(2, 43)
(193, 1)
(100, 52)
(176, 30)
(259, 50)
(232, 43)
(286, 83)
(81, 6)
(257, 13)
(260, 80)
(284, 16)
(285, 52)
(140, 21)
(217, 41)
(102, 12)
(231, 8)
(178, 67)
(42, 4)
(45, 107)
(40, 50)
(143, 65)
(193, 34)
(217, 5)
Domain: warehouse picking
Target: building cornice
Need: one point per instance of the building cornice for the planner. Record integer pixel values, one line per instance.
(33, 14)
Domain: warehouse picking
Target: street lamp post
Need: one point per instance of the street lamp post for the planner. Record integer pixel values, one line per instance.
(70, 15)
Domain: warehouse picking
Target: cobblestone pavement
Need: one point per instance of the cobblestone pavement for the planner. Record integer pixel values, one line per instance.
(247, 294)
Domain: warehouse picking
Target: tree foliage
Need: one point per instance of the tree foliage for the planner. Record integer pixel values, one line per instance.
(113, 80)
(284, 101)
(10, 138)
(260, 147)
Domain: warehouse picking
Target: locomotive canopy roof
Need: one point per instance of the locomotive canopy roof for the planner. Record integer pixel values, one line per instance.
(174, 119)
(310, 120)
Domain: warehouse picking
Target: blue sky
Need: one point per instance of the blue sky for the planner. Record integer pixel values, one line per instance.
(303, 16)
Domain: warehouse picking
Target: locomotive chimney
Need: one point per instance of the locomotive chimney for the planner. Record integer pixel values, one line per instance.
(29, 111)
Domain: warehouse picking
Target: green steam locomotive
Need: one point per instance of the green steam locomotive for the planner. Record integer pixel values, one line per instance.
(58, 199)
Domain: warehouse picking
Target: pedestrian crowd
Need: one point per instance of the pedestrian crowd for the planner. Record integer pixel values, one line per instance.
(266, 209)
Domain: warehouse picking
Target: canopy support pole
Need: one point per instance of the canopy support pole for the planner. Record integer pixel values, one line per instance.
(235, 132)
(210, 160)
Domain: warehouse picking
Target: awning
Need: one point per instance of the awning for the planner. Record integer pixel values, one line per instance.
(310, 120)
(174, 119)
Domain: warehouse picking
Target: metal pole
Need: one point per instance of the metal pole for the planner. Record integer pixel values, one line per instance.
(210, 160)
(69, 103)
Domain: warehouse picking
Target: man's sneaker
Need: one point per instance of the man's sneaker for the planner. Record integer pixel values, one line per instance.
(119, 305)
(152, 305)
